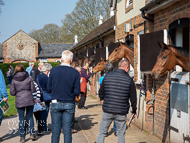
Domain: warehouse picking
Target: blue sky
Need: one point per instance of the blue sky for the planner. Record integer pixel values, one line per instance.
(32, 14)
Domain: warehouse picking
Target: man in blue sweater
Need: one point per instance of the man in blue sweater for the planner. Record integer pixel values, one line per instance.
(3, 95)
(64, 85)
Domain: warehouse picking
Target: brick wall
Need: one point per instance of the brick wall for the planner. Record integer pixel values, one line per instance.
(121, 34)
(162, 19)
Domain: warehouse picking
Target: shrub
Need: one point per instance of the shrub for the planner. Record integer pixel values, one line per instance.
(4, 67)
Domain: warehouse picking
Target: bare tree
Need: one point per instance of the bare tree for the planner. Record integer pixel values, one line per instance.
(49, 34)
(84, 18)
(81, 21)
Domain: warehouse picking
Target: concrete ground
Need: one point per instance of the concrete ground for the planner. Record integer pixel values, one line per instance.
(88, 128)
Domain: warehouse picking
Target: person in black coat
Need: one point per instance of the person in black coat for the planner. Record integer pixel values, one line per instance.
(37, 71)
(115, 91)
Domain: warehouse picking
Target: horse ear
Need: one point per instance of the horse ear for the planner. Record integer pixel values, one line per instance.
(165, 46)
(101, 59)
(161, 46)
(120, 43)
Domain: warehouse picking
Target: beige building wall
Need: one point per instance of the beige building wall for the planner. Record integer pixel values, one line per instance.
(20, 46)
(123, 16)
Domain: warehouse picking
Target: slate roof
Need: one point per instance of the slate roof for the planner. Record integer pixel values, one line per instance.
(1, 51)
(103, 28)
(53, 50)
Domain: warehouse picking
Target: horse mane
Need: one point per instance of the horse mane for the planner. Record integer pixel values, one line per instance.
(181, 50)
(117, 45)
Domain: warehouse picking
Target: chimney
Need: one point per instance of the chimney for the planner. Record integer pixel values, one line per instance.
(76, 39)
(111, 12)
(100, 19)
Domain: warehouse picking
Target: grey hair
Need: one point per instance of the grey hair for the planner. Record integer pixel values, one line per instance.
(123, 63)
(78, 68)
(31, 63)
(67, 56)
(108, 68)
(46, 67)
(40, 63)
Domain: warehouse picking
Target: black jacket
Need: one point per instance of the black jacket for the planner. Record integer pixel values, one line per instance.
(35, 74)
(116, 90)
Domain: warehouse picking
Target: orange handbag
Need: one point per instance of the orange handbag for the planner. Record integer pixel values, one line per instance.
(77, 98)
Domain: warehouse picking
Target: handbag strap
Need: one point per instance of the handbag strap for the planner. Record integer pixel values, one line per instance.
(39, 84)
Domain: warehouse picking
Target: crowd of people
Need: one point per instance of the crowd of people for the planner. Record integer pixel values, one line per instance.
(55, 89)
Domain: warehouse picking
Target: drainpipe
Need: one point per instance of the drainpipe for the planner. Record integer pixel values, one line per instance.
(145, 17)
(102, 42)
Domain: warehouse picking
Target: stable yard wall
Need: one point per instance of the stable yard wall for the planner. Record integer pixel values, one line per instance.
(162, 20)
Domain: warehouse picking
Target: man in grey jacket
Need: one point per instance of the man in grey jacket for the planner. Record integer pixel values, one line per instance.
(115, 91)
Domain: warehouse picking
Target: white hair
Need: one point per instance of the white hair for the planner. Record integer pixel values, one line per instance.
(78, 68)
(40, 63)
(31, 63)
(67, 56)
(46, 67)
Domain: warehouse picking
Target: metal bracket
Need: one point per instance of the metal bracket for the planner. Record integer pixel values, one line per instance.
(187, 83)
(186, 138)
(174, 79)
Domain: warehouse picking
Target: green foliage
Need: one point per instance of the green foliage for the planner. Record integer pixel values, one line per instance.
(4, 67)
(11, 101)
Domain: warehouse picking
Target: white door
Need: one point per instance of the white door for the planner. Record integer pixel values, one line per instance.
(179, 107)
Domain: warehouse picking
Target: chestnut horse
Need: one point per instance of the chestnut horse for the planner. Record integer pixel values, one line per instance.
(123, 51)
(168, 58)
(99, 67)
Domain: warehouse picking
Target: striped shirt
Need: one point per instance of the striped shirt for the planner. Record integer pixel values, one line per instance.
(37, 94)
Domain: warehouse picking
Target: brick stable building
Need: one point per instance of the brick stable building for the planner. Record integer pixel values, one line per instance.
(22, 48)
(150, 22)
(96, 43)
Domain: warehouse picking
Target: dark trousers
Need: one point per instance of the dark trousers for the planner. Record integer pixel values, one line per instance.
(73, 120)
(82, 100)
(39, 120)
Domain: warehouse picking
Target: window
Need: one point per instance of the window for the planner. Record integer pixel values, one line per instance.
(43, 60)
(128, 5)
(58, 60)
(94, 50)
(140, 74)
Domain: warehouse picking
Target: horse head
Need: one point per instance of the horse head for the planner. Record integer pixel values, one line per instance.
(165, 61)
(117, 54)
(99, 66)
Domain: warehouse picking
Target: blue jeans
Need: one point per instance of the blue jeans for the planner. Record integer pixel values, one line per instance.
(114, 126)
(9, 79)
(62, 114)
(106, 120)
(1, 116)
(44, 116)
(21, 112)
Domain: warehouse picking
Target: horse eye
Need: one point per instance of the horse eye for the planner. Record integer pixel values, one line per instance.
(164, 57)
(116, 50)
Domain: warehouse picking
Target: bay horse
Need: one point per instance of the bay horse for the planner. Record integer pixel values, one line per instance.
(168, 58)
(123, 51)
(99, 67)
(79, 62)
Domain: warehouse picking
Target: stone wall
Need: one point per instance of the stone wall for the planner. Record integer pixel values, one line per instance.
(20, 46)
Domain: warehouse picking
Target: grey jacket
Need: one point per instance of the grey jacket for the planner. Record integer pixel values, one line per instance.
(22, 87)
